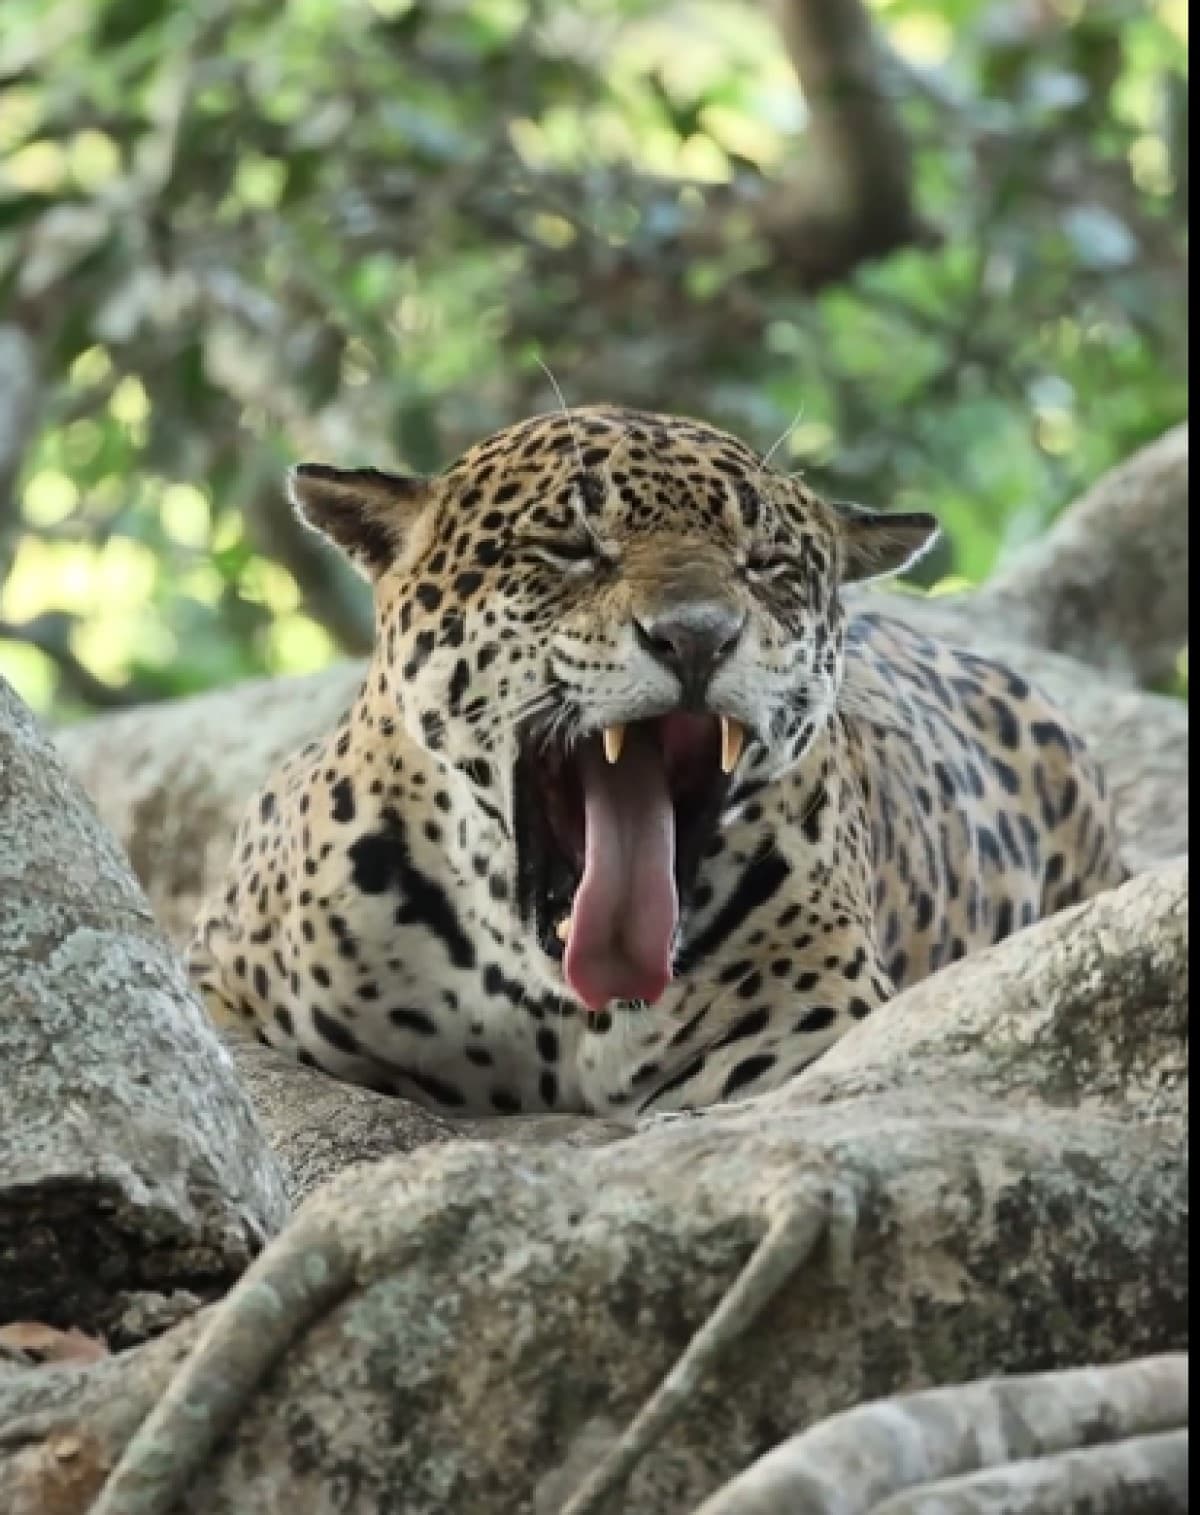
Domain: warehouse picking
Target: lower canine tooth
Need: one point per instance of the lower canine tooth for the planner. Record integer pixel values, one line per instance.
(563, 929)
(733, 739)
(614, 740)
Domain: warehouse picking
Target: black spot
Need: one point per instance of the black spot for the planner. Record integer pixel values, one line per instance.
(746, 1072)
(380, 861)
(428, 596)
(1010, 779)
(460, 681)
(811, 825)
(989, 849)
(548, 1089)
(342, 795)
(413, 1020)
(422, 649)
(480, 1056)
(266, 807)
(818, 1019)
(479, 771)
(762, 878)
(505, 1102)
(436, 1088)
(689, 1028)
(547, 1044)
(1004, 920)
(334, 1032)
(750, 1024)
(1048, 734)
(500, 986)
(684, 1076)
(1008, 840)
(1008, 728)
(283, 1019)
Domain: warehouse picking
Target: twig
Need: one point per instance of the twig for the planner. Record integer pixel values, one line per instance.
(789, 1243)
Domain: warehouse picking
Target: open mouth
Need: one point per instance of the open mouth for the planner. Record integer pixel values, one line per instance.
(612, 830)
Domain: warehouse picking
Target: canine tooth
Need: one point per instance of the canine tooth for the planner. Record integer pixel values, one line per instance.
(733, 739)
(563, 929)
(614, 740)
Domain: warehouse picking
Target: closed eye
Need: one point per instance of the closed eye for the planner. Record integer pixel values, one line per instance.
(771, 563)
(574, 552)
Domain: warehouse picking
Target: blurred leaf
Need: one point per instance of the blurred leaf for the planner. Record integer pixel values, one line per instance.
(1100, 239)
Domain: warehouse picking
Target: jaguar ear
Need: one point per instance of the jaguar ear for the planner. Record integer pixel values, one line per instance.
(367, 513)
(876, 544)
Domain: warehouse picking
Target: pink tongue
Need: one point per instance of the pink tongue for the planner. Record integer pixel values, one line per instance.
(625, 911)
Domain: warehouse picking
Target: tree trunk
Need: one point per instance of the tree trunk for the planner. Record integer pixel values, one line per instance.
(129, 1157)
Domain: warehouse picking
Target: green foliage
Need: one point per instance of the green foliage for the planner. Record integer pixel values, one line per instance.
(241, 233)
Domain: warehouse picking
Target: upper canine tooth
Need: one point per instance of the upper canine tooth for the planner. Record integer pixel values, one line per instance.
(614, 740)
(733, 739)
(563, 929)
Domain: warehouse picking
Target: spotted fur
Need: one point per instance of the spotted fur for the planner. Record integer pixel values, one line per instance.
(899, 804)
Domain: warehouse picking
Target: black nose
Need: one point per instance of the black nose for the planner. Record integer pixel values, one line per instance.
(691, 640)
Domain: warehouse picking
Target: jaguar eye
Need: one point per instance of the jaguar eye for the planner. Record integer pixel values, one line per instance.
(571, 552)
(763, 563)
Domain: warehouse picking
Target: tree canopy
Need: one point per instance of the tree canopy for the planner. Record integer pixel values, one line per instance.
(938, 243)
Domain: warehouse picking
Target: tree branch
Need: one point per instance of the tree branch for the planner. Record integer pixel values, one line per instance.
(50, 633)
(333, 593)
(853, 198)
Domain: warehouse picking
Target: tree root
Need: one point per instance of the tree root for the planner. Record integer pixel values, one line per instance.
(791, 1239)
(966, 1440)
(294, 1283)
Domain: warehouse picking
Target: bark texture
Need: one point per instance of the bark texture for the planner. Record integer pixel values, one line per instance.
(1015, 1445)
(129, 1156)
(1105, 585)
(471, 1326)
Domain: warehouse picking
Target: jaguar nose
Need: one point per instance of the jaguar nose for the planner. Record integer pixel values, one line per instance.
(692, 641)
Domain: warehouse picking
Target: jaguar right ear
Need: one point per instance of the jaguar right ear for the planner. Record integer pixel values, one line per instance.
(368, 514)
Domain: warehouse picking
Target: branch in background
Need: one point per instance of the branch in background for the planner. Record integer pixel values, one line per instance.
(853, 197)
(50, 633)
(333, 593)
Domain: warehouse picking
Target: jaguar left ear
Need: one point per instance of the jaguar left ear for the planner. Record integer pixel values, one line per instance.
(368, 514)
(877, 545)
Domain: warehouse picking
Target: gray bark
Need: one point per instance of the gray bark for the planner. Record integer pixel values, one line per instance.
(469, 1327)
(129, 1157)
(1108, 583)
(922, 1454)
